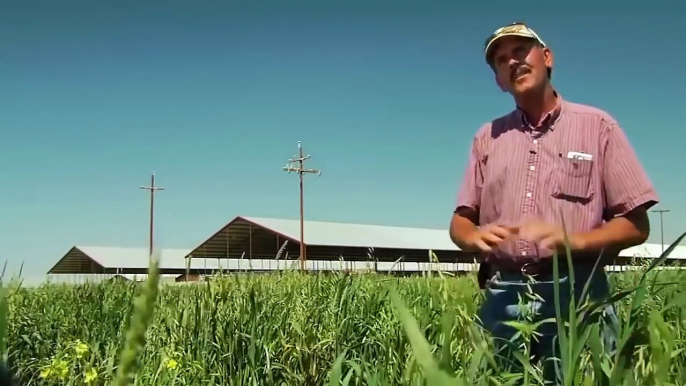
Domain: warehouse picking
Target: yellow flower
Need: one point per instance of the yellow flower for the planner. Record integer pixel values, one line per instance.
(58, 368)
(46, 372)
(80, 348)
(91, 375)
(62, 368)
(171, 364)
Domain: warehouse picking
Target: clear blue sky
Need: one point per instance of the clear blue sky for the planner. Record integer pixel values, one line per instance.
(213, 96)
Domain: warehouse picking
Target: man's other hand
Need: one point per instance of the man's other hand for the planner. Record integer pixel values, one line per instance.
(549, 237)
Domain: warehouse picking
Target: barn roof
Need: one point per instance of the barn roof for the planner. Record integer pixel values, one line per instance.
(325, 234)
(89, 259)
(359, 235)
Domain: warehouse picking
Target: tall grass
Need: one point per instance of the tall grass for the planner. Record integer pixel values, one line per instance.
(324, 329)
(651, 338)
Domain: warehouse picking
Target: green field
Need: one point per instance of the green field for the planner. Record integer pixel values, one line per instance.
(314, 329)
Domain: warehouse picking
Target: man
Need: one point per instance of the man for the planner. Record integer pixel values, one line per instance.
(547, 161)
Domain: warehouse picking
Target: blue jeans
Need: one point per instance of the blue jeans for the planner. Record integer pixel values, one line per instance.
(502, 299)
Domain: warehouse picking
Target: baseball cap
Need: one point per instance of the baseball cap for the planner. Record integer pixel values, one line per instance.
(514, 29)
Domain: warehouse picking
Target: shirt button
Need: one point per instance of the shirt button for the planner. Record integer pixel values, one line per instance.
(523, 253)
(535, 141)
(528, 194)
(532, 168)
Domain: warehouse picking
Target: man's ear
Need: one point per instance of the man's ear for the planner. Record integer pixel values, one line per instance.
(548, 57)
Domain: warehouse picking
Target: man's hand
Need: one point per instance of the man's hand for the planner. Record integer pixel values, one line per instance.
(469, 237)
(618, 233)
(484, 239)
(549, 237)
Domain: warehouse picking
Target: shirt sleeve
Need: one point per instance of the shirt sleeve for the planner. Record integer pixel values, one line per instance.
(469, 192)
(625, 181)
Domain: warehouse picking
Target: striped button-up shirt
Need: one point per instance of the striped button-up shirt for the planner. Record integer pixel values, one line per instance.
(576, 164)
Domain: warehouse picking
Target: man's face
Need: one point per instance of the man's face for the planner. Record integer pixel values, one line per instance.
(520, 64)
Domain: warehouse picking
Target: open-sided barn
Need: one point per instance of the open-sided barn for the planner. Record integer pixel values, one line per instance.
(265, 243)
(127, 263)
(268, 244)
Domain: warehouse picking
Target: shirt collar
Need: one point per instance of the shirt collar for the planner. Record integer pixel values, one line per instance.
(547, 121)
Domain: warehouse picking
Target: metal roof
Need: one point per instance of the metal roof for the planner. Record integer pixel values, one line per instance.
(356, 235)
(117, 257)
(85, 259)
(359, 235)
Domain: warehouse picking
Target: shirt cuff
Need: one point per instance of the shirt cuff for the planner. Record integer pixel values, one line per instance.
(648, 200)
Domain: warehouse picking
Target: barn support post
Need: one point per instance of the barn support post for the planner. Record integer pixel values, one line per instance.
(228, 248)
(250, 253)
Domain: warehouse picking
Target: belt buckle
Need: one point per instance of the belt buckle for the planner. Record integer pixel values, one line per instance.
(523, 269)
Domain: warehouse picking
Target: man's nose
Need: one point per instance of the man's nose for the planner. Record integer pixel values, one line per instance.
(514, 63)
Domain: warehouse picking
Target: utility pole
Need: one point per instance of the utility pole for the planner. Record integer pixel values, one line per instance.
(662, 236)
(299, 160)
(152, 188)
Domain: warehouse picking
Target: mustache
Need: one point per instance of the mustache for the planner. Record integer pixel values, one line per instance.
(519, 70)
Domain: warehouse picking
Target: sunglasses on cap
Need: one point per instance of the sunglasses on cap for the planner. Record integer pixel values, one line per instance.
(514, 29)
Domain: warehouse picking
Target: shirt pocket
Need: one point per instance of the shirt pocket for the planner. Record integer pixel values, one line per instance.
(573, 179)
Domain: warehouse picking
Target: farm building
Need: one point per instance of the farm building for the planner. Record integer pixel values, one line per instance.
(269, 244)
(263, 244)
(253, 243)
(103, 263)
(644, 253)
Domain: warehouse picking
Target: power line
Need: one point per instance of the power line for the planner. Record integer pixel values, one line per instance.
(300, 170)
(152, 188)
(662, 235)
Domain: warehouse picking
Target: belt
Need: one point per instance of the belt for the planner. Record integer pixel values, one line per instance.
(531, 268)
(542, 267)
